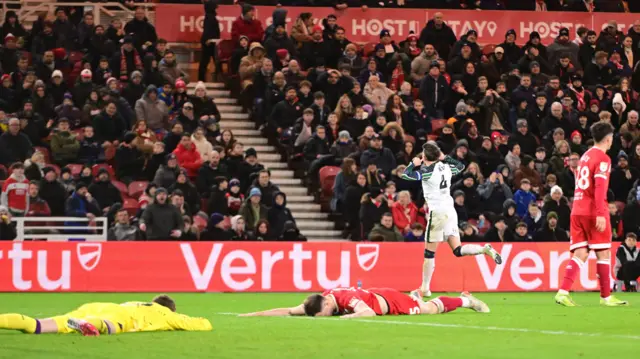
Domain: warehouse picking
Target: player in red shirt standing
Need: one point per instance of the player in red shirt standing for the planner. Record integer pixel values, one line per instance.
(590, 225)
(356, 302)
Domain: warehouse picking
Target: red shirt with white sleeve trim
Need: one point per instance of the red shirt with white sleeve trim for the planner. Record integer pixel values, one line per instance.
(592, 184)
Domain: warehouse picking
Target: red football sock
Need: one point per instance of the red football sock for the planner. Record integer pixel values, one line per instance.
(570, 273)
(450, 304)
(603, 268)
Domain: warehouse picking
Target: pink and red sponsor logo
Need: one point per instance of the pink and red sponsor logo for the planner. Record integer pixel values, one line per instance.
(277, 267)
(183, 23)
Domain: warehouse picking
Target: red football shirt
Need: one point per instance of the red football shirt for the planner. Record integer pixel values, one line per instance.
(592, 183)
(348, 298)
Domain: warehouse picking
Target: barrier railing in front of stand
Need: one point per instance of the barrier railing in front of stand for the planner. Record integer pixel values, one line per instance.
(61, 228)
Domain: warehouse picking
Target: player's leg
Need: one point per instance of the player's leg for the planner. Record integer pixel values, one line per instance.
(444, 304)
(28, 325)
(432, 239)
(93, 326)
(603, 269)
(580, 234)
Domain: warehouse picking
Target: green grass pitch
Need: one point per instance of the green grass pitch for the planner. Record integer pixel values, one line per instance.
(521, 325)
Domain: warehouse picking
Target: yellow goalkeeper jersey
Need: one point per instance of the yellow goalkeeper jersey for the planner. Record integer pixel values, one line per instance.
(141, 317)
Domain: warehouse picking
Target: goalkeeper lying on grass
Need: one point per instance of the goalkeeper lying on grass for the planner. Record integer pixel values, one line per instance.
(93, 319)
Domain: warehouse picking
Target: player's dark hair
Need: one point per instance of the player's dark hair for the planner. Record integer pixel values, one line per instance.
(313, 305)
(165, 301)
(600, 130)
(431, 151)
(631, 235)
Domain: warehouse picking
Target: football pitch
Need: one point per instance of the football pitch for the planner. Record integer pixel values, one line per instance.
(521, 325)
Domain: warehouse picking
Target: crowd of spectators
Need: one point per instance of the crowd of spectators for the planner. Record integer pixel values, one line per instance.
(517, 116)
(96, 122)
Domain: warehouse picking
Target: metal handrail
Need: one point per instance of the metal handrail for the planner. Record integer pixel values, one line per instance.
(95, 230)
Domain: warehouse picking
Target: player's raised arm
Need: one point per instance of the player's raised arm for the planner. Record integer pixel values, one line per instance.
(412, 172)
(456, 166)
(361, 310)
(190, 324)
(278, 312)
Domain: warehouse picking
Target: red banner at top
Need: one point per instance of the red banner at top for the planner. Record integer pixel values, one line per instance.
(183, 23)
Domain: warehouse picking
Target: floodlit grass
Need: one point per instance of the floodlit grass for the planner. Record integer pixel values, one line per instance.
(527, 325)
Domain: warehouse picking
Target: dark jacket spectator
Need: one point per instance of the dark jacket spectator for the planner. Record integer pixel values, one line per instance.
(381, 156)
(104, 192)
(440, 35)
(14, 145)
(279, 214)
(108, 125)
(556, 202)
(372, 207)
(160, 219)
(551, 231)
(143, 33)
(64, 144)
(129, 160)
(215, 230)
(252, 210)
(167, 174)
(247, 25)
(266, 188)
(53, 192)
(209, 173)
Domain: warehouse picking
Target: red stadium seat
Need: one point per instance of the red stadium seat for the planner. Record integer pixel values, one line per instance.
(488, 49)
(327, 176)
(432, 137)
(79, 132)
(75, 169)
(75, 56)
(409, 138)
(437, 125)
(55, 168)
(415, 92)
(620, 205)
(130, 205)
(225, 50)
(97, 168)
(121, 187)
(45, 152)
(137, 188)
(368, 49)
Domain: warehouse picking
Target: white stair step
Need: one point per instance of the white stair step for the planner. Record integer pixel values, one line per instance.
(271, 157)
(309, 215)
(322, 233)
(215, 94)
(229, 108)
(261, 148)
(210, 85)
(299, 199)
(248, 141)
(302, 225)
(226, 101)
(294, 191)
(228, 124)
(286, 181)
(247, 132)
(282, 173)
(235, 116)
(272, 165)
(301, 207)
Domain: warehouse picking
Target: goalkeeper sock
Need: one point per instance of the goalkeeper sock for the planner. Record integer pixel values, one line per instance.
(428, 267)
(570, 273)
(447, 304)
(103, 326)
(603, 269)
(471, 250)
(19, 322)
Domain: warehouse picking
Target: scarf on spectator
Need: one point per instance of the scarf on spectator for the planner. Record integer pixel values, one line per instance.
(582, 105)
(541, 5)
(123, 63)
(397, 78)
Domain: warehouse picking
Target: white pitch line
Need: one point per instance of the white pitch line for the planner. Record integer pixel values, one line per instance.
(476, 327)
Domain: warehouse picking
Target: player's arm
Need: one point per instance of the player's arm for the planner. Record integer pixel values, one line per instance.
(600, 188)
(278, 312)
(191, 324)
(456, 166)
(361, 310)
(413, 171)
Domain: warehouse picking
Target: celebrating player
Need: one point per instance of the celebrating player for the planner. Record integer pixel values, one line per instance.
(435, 170)
(93, 319)
(590, 226)
(356, 302)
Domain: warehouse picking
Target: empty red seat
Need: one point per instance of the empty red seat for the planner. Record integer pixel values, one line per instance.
(45, 152)
(130, 205)
(488, 49)
(96, 168)
(437, 125)
(327, 176)
(409, 138)
(369, 48)
(121, 187)
(75, 169)
(137, 188)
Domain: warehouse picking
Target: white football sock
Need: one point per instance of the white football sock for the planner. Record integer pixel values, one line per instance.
(471, 250)
(466, 302)
(428, 267)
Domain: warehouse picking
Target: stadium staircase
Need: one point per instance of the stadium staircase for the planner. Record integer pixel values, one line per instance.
(312, 222)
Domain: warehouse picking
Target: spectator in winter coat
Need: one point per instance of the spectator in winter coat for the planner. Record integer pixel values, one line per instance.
(152, 110)
(610, 38)
(556, 202)
(523, 197)
(499, 232)
(251, 63)
(434, 92)
(563, 45)
(143, 33)
(494, 109)
(494, 192)
(385, 231)
(14, 145)
(166, 175)
(512, 51)
(104, 192)
(266, 188)
(129, 160)
(513, 157)
(551, 231)
(188, 190)
(134, 90)
(372, 207)
(209, 173)
(38, 207)
(161, 220)
(247, 25)
(108, 126)
(188, 156)
(122, 230)
(352, 196)
(91, 151)
(53, 192)
(527, 170)
(404, 212)
(15, 195)
(204, 107)
(600, 72)
(421, 64)
(168, 67)
(127, 60)
(623, 177)
(81, 203)
(382, 157)
(437, 33)
(279, 214)
(253, 210)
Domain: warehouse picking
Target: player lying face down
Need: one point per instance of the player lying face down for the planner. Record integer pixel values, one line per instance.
(355, 302)
(93, 319)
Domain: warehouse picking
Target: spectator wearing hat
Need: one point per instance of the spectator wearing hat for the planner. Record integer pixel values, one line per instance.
(528, 142)
(499, 232)
(372, 206)
(488, 157)
(556, 202)
(216, 230)
(246, 24)
(623, 177)
(533, 54)
(538, 79)
(437, 33)
(253, 210)
(83, 87)
(99, 46)
(152, 110)
(279, 214)
(527, 170)
(102, 73)
(249, 168)
(522, 233)
(218, 192)
(376, 154)
(511, 218)
(512, 51)
(535, 41)
(64, 144)
(551, 231)
(610, 37)
(343, 146)
(12, 26)
(587, 51)
(129, 159)
(127, 60)
(457, 65)
(251, 63)
(134, 89)
(210, 33)
(57, 88)
(188, 190)
(279, 40)
(166, 175)
(45, 40)
(160, 219)
(81, 204)
(104, 192)
(434, 92)
(53, 192)
(563, 45)
(7, 94)
(468, 39)
(67, 110)
(204, 107)
(14, 145)
(314, 49)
